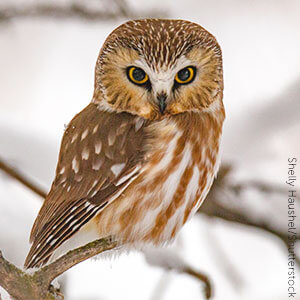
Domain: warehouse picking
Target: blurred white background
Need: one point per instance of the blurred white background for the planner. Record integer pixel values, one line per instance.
(46, 77)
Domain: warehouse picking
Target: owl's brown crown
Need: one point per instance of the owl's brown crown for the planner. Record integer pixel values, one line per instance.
(159, 42)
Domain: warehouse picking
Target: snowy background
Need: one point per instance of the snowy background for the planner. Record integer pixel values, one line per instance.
(46, 76)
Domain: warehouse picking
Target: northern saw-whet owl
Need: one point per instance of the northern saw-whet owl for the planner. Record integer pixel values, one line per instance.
(139, 160)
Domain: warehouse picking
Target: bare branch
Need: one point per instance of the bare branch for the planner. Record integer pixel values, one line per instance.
(22, 285)
(215, 208)
(202, 277)
(21, 178)
(74, 10)
(168, 259)
(74, 257)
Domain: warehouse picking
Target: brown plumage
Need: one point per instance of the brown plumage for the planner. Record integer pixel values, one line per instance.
(138, 161)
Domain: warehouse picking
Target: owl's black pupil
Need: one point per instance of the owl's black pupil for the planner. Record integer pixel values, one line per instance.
(184, 74)
(138, 74)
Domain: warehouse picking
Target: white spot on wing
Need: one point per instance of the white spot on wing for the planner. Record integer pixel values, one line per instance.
(95, 128)
(111, 138)
(62, 170)
(74, 137)
(117, 169)
(85, 154)
(98, 146)
(75, 165)
(84, 134)
(97, 165)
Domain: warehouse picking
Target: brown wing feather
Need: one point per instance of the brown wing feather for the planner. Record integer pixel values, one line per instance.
(101, 153)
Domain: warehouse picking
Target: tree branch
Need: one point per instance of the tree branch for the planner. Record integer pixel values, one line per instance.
(22, 179)
(168, 259)
(202, 277)
(74, 10)
(23, 285)
(213, 207)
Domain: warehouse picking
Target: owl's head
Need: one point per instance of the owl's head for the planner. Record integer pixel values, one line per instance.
(155, 68)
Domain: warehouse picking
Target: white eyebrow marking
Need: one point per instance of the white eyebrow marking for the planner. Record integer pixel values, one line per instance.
(74, 137)
(117, 168)
(84, 134)
(85, 153)
(75, 165)
(98, 147)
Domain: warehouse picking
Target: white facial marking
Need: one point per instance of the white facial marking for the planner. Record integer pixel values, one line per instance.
(98, 147)
(84, 134)
(75, 165)
(117, 169)
(163, 80)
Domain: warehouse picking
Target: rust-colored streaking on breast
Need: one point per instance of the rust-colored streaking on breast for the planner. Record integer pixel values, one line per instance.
(143, 213)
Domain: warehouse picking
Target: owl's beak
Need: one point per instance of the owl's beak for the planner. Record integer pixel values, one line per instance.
(161, 98)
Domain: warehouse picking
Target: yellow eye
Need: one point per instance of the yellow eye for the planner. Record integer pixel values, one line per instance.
(185, 75)
(137, 75)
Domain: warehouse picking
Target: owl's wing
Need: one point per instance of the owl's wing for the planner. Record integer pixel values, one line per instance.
(101, 154)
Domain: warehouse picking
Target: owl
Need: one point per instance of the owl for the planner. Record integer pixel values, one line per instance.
(139, 160)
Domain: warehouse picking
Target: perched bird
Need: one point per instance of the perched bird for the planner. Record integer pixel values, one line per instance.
(139, 160)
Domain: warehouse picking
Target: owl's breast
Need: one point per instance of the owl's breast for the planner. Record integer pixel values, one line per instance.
(180, 166)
